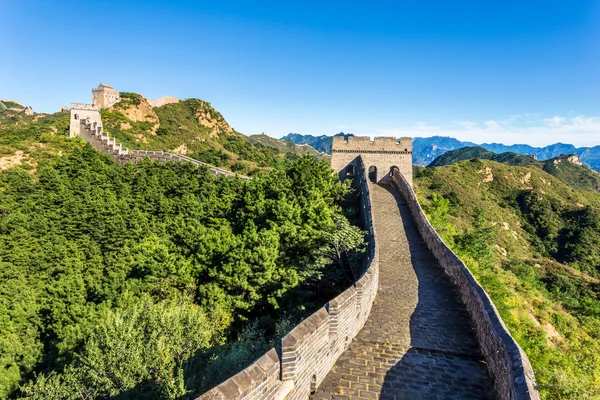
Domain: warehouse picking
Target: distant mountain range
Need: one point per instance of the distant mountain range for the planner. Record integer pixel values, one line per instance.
(320, 143)
(425, 150)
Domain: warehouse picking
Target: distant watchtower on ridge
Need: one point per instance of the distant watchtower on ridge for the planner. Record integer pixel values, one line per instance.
(105, 96)
(379, 156)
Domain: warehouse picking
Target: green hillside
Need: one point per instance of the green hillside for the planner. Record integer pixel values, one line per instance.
(467, 153)
(573, 173)
(533, 242)
(464, 153)
(567, 168)
(191, 127)
(159, 280)
(194, 128)
(156, 280)
(26, 140)
(285, 146)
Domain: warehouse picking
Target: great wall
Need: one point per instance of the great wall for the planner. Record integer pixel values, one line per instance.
(27, 110)
(416, 324)
(86, 122)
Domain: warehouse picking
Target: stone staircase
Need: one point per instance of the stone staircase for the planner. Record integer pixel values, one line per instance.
(93, 133)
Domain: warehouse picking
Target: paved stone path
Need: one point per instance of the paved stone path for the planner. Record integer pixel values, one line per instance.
(418, 342)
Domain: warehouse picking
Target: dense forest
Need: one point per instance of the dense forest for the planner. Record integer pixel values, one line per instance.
(533, 243)
(159, 280)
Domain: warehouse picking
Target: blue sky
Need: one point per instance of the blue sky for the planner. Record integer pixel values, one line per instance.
(506, 71)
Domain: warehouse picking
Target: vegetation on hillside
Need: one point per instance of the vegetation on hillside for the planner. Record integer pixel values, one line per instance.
(158, 280)
(34, 138)
(562, 167)
(195, 128)
(11, 104)
(285, 146)
(192, 127)
(533, 242)
(479, 152)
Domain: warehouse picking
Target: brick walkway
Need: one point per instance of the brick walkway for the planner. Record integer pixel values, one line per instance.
(418, 342)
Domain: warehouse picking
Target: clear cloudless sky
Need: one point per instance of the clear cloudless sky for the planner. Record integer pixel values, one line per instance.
(511, 71)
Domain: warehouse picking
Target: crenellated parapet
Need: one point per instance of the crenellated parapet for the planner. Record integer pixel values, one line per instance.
(512, 375)
(92, 133)
(380, 155)
(86, 107)
(90, 129)
(81, 114)
(303, 358)
(364, 144)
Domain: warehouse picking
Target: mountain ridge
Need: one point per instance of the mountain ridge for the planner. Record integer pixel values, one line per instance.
(189, 127)
(568, 168)
(426, 149)
(533, 243)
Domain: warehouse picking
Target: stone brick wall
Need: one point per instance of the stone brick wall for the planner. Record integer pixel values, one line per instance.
(382, 153)
(161, 101)
(80, 113)
(91, 131)
(507, 363)
(305, 355)
(104, 96)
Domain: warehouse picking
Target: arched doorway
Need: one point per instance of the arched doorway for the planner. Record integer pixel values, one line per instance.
(373, 174)
(393, 170)
(350, 170)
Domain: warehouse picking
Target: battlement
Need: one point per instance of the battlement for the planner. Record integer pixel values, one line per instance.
(161, 101)
(364, 143)
(83, 106)
(105, 95)
(13, 101)
(305, 355)
(380, 155)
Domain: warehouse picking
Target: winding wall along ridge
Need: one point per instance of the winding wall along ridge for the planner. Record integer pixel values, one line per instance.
(297, 366)
(508, 365)
(92, 133)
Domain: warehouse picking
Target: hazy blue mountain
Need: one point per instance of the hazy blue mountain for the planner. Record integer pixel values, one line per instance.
(470, 152)
(320, 143)
(425, 150)
(590, 156)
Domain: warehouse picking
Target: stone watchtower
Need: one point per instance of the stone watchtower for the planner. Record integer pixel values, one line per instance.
(379, 156)
(83, 112)
(105, 96)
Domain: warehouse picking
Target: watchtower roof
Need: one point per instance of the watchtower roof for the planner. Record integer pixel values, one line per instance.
(104, 86)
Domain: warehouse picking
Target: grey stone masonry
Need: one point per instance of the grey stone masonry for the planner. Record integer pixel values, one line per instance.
(416, 324)
(379, 155)
(419, 342)
(509, 367)
(307, 353)
(90, 129)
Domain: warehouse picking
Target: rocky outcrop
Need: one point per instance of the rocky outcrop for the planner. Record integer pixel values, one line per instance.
(574, 159)
(212, 119)
(137, 113)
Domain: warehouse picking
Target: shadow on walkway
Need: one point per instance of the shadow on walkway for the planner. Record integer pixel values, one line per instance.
(443, 359)
(418, 342)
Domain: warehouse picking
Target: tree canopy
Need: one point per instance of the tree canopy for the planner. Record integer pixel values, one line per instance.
(133, 279)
